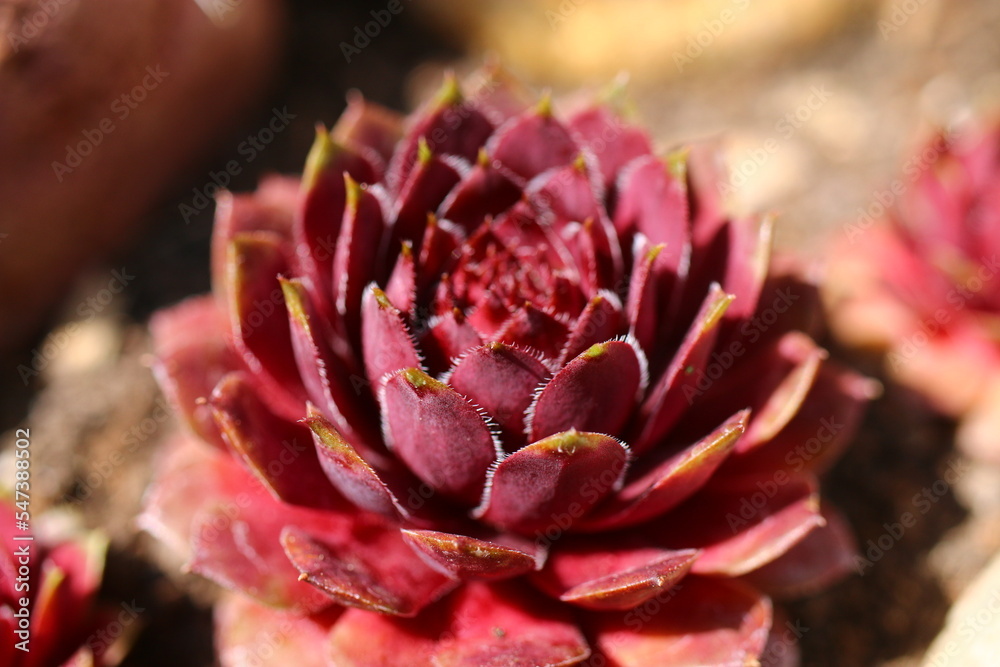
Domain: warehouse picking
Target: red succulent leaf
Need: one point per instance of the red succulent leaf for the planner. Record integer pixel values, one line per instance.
(824, 556)
(440, 436)
(430, 181)
(648, 294)
(63, 612)
(237, 548)
(388, 345)
(551, 483)
(275, 451)
(480, 624)
(653, 201)
(449, 336)
(270, 209)
(657, 486)
(701, 621)
(501, 379)
(449, 124)
(369, 126)
(401, 290)
(441, 246)
(249, 632)
(464, 558)
(369, 567)
(192, 355)
(533, 142)
(740, 532)
(667, 399)
(600, 321)
(354, 263)
(390, 491)
(258, 322)
(811, 440)
(321, 204)
(612, 578)
(535, 329)
(483, 193)
(596, 391)
(605, 134)
(329, 380)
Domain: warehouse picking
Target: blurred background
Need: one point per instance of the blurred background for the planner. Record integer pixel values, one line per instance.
(119, 119)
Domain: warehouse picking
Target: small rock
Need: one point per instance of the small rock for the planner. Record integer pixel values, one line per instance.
(971, 636)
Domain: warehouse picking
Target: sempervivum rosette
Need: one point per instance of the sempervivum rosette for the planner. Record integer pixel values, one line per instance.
(924, 285)
(48, 590)
(493, 387)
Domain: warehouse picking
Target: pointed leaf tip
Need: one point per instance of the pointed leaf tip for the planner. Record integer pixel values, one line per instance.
(450, 93)
(380, 297)
(320, 155)
(353, 189)
(544, 107)
(294, 301)
(676, 163)
(424, 152)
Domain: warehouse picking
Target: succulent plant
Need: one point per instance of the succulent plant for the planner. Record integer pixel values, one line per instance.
(918, 279)
(492, 386)
(48, 588)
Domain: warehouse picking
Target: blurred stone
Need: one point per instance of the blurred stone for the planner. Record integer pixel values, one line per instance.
(971, 637)
(101, 105)
(573, 41)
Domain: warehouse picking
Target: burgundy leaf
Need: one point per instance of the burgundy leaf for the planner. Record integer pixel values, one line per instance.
(603, 577)
(321, 204)
(258, 320)
(387, 345)
(449, 124)
(270, 209)
(464, 558)
(372, 569)
(548, 485)
(675, 390)
(596, 391)
(354, 263)
(430, 181)
(826, 554)
(192, 355)
(480, 624)
(702, 621)
(277, 452)
(533, 328)
(369, 125)
(605, 133)
(328, 380)
(389, 491)
(655, 487)
(533, 142)
(599, 322)
(501, 379)
(438, 434)
(483, 192)
(739, 532)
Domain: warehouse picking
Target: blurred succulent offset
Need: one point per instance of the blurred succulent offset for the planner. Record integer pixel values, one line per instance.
(924, 285)
(492, 386)
(48, 589)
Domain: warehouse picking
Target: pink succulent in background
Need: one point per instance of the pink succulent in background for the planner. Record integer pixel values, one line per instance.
(58, 579)
(924, 285)
(491, 386)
